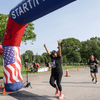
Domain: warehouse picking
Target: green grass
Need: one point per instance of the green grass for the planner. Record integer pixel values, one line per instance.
(29, 72)
(1, 71)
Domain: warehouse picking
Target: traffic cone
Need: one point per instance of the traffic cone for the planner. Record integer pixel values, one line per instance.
(83, 66)
(1, 86)
(77, 68)
(23, 84)
(67, 73)
(4, 91)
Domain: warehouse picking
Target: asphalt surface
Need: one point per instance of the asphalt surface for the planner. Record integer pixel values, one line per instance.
(76, 87)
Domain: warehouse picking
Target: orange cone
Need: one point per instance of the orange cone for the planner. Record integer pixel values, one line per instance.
(67, 73)
(83, 66)
(23, 84)
(77, 68)
(4, 91)
(1, 86)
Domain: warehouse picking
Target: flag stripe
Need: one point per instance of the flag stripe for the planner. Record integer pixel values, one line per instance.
(6, 78)
(17, 71)
(11, 74)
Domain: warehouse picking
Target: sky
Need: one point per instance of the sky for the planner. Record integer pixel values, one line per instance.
(80, 20)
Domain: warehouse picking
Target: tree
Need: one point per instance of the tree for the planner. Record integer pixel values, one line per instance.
(22, 59)
(38, 58)
(28, 34)
(3, 22)
(77, 57)
(64, 59)
(69, 46)
(46, 56)
(1, 60)
(28, 55)
(42, 60)
(89, 47)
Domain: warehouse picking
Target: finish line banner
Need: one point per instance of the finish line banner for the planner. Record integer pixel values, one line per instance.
(30, 10)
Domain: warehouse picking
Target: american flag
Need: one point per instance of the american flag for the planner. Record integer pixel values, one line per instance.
(12, 64)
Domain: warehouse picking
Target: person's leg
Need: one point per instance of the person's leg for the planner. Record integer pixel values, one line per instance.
(25, 68)
(92, 77)
(52, 80)
(28, 67)
(58, 81)
(95, 74)
(59, 77)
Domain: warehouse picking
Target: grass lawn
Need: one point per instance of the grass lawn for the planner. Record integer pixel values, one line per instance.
(29, 72)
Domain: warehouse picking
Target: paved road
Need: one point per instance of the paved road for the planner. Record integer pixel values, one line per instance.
(76, 87)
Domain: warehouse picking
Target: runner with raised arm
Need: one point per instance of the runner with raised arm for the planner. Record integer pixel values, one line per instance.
(56, 72)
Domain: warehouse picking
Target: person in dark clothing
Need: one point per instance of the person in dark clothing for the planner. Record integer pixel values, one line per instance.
(26, 66)
(56, 72)
(35, 67)
(93, 64)
(88, 61)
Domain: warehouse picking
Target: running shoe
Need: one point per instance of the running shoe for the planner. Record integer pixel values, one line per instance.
(56, 91)
(61, 96)
(96, 82)
(92, 79)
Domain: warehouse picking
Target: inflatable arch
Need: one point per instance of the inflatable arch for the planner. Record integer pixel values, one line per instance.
(25, 12)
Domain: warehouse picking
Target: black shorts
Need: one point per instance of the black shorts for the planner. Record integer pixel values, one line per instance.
(95, 70)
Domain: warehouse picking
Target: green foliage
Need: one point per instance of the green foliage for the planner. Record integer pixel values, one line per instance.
(28, 34)
(69, 47)
(77, 57)
(46, 57)
(89, 47)
(38, 59)
(1, 60)
(27, 55)
(42, 60)
(3, 22)
(76, 51)
(64, 59)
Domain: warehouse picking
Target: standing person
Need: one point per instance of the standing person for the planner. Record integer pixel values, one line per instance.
(56, 72)
(93, 64)
(35, 67)
(26, 66)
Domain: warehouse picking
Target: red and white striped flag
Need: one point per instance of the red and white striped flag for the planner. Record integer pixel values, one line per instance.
(12, 64)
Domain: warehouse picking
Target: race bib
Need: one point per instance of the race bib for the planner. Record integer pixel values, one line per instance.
(52, 64)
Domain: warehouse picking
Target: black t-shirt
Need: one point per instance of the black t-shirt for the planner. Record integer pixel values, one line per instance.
(47, 64)
(57, 61)
(34, 65)
(26, 65)
(91, 63)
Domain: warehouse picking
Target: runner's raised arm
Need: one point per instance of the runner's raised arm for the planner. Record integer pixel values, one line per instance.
(47, 50)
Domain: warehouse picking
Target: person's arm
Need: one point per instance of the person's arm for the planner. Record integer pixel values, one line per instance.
(47, 50)
(59, 47)
(50, 66)
(96, 64)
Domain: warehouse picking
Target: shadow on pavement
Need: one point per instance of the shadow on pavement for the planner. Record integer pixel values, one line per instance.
(82, 86)
(71, 82)
(78, 82)
(24, 95)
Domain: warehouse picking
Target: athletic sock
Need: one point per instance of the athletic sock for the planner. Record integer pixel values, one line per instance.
(56, 91)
